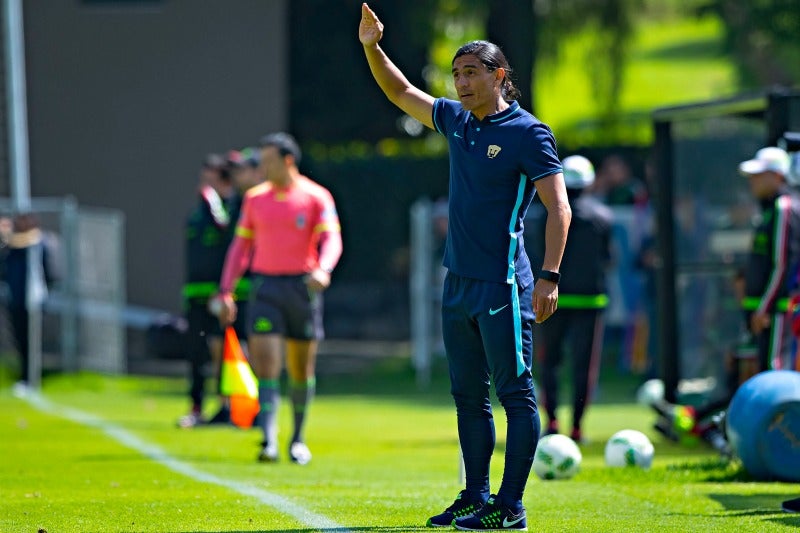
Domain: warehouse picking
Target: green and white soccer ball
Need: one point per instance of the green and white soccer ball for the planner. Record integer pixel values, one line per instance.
(650, 392)
(556, 457)
(629, 448)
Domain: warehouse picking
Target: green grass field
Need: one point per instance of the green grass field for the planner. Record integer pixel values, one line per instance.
(99, 453)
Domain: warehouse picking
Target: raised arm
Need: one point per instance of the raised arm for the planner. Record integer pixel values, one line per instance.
(392, 82)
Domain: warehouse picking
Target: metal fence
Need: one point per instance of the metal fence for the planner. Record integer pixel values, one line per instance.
(80, 326)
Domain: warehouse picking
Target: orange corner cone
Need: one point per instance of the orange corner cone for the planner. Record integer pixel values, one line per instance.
(238, 381)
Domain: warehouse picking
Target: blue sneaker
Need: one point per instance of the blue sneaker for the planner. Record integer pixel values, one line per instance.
(491, 517)
(461, 507)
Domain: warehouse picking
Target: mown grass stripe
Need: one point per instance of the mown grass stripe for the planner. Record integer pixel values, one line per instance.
(153, 452)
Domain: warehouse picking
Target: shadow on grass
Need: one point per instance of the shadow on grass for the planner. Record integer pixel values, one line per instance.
(759, 505)
(715, 470)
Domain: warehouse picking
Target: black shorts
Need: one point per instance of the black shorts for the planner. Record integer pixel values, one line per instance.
(283, 305)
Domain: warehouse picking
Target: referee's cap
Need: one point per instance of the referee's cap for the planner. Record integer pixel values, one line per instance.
(244, 157)
(578, 172)
(769, 159)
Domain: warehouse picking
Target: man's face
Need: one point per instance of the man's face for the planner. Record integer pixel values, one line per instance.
(210, 176)
(273, 164)
(764, 184)
(476, 85)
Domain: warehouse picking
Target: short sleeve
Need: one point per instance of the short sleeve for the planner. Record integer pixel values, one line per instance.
(444, 113)
(328, 216)
(244, 228)
(539, 154)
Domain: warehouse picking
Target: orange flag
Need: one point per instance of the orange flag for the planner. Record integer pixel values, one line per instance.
(238, 381)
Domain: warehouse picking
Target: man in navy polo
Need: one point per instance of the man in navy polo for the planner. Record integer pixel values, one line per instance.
(500, 156)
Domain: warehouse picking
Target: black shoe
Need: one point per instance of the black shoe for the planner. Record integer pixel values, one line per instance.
(461, 507)
(493, 516)
(717, 440)
(223, 416)
(713, 432)
(791, 506)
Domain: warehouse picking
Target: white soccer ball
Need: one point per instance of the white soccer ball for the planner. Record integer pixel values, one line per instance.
(650, 392)
(556, 457)
(629, 448)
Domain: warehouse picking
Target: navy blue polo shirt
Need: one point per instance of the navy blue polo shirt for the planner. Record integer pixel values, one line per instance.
(493, 164)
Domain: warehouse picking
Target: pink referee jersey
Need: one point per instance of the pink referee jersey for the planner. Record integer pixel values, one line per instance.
(285, 225)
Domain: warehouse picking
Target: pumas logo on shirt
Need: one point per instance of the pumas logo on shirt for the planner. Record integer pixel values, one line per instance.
(493, 151)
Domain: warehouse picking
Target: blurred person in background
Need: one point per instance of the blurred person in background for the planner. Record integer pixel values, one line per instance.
(578, 326)
(27, 272)
(500, 157)
(290, 226)
(771, 273)
(615, 183)
(209, 231)
(243, 166)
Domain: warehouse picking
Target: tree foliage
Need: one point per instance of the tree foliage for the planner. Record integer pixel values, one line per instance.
(612, 24)
(763, 37)
(334, 98)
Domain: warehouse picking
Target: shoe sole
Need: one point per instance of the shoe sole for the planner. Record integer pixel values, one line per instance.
(431, 524)
(461, 528)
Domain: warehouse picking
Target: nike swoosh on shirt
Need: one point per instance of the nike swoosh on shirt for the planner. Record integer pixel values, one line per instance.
(495, 311)
(457, 135)
(509, 523)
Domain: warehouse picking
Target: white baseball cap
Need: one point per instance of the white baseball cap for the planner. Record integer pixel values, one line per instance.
(578, 172)
(767, 159)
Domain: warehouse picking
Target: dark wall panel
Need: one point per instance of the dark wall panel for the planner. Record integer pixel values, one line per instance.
(125, 101)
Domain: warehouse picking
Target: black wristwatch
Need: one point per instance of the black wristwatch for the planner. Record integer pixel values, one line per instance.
(549, 275)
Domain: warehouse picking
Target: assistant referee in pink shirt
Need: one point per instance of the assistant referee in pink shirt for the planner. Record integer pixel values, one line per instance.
(289, 235)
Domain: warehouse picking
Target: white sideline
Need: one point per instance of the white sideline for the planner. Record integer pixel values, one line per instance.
(158, 455)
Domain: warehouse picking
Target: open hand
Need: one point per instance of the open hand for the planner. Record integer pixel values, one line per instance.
(370, 30)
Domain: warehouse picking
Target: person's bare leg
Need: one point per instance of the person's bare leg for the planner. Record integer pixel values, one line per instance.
(266, 353)
(301, 362)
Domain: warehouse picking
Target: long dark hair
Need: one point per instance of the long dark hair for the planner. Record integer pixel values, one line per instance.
(493, 57)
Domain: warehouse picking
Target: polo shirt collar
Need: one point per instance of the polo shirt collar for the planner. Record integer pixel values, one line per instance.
(502, 116)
